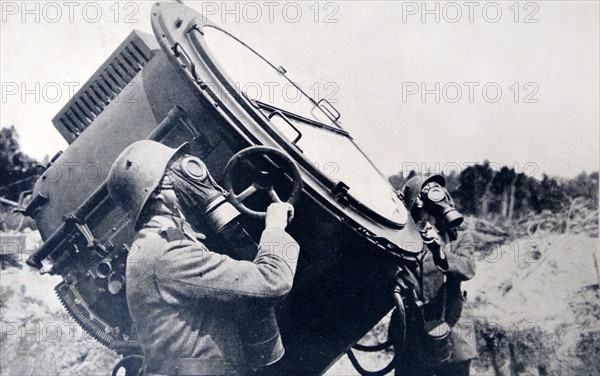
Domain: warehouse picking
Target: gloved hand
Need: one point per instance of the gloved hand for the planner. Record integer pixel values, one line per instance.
(279, 215)
(431, 237)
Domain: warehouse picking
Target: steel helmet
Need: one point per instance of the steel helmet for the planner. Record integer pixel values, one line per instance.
(412, 187)
(136, 173)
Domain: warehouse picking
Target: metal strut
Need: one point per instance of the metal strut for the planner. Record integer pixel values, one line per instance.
(365, 372)
(398, 349)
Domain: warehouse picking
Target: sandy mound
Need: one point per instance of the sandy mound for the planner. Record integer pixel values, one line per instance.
(536, 305)
(38, 337)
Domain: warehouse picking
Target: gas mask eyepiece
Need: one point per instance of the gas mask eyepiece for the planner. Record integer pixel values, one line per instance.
(438, 202)
(201, 198)
(194, 168)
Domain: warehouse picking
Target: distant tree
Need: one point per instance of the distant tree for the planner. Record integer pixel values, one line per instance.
(475, 189)
(503, 193)
(397, 181)
(452, 182)
(552, 196)
(465, 193)
(17, 170)
(593, 179)
(583, 185)
(522, 196)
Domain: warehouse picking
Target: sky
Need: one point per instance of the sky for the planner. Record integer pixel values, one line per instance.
(433, 86)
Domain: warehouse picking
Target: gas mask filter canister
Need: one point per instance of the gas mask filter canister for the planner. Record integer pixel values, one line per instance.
(438, 340)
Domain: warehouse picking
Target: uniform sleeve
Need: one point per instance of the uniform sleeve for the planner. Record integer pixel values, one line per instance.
(189, 270)
(461, 261)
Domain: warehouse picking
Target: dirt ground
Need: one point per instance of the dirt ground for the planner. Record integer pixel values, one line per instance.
(38, 337)
(535, 303)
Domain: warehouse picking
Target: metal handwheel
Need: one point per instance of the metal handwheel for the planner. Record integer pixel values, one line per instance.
(268, 169)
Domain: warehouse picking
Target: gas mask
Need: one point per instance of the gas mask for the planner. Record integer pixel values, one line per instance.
(436, 201)
(201, 199)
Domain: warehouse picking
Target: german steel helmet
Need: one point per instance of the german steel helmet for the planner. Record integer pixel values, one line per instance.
(412, 187)
(136, 173)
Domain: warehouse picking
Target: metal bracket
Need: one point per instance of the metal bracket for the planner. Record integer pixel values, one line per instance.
(178, 51)
(38, 200)
(329, 109)
(284, 118)
(340, 193)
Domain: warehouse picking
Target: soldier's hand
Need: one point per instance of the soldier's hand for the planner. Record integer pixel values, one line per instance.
(432, 239)
(279, 215)
(429, 234)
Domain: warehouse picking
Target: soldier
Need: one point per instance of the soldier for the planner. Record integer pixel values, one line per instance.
(185, 300)
(435, 341)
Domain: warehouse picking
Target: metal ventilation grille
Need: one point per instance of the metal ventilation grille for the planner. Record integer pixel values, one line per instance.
(104, 86)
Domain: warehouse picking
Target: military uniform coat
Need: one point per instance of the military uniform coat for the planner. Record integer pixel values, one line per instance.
(461, 267)
(184, 299)
(441, 293)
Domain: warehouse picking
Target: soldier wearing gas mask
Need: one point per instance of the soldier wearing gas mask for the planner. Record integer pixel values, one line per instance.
(435, 342)
(197, 311)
